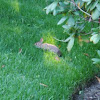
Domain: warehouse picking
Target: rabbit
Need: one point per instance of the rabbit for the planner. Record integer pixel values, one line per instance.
(48, 47)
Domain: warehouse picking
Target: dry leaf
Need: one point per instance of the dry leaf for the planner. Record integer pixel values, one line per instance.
(59, 46)
(43, 85)
(87, 41)
(86, 54)
(80, 41)
(20, 50)
(57, 58)
(81, 44)
(98, 79)
(70, 59)
(78, 4)
(3, 66)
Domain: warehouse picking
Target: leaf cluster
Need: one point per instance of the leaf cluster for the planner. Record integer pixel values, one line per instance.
(75, 15)
(96, 60)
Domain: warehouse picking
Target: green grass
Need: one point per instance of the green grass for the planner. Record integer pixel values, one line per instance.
(22, 23)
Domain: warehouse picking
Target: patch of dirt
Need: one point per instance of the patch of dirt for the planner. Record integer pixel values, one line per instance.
(89, 93)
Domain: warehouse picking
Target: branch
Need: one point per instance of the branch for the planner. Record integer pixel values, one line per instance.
(88, 20)
(79, 8)
(59, 40)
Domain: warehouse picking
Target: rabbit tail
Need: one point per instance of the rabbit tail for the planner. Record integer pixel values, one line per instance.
(59, 54)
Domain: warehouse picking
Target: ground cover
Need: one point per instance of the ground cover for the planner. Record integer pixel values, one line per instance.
(27, 72)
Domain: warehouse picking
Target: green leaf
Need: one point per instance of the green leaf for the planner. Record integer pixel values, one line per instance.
(55, 12)
(86, 0)
(89, 2)
(81, 27)
(88, 7)
(98, 52)
(94, 29)
(93, 5)
(95, 14)
(71, 21)
(63, 4)
(70, 43)
(51, 7)
(95, 60)
(61, 20)
(67, 39)
(76, 13)
(98, 6)
(66, 3)
(67, 27)
(48, 10)
(95, 38)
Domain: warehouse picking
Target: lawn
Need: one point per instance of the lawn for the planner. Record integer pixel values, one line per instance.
(29, 73)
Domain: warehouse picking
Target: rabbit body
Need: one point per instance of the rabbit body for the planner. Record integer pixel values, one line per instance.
(48, 47)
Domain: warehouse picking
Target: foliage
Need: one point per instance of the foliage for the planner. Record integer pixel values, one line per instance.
(24, 69)
(96, 60)
(76, 15)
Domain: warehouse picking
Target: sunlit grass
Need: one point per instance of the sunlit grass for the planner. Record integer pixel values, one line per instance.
(15, 5)
(49, 39)
(24, 68)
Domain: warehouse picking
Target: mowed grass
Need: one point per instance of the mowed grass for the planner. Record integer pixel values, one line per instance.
(29, 73)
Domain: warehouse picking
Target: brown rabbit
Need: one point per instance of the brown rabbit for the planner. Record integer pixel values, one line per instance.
(48, 47)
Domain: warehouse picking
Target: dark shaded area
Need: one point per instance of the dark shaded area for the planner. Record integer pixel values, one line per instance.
(90, 92)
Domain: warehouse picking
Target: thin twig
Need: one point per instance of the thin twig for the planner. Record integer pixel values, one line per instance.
(88, 20)
(79, 8)
(58, 39)
(86, 33)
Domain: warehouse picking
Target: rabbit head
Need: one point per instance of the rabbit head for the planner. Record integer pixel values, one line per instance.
(39, 44)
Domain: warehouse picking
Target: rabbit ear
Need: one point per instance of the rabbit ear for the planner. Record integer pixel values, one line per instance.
(41, 40)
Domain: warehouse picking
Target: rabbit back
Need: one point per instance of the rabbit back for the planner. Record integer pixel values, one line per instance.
(51, 47)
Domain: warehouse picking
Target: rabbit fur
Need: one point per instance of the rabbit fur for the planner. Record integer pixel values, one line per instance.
(48, 47)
